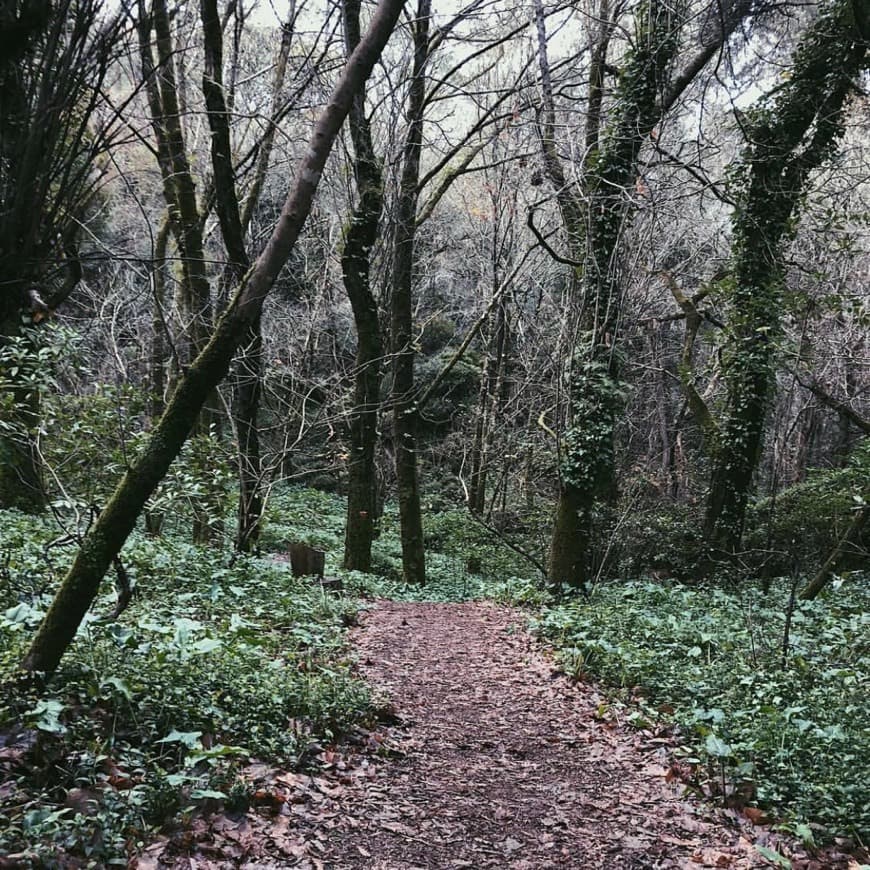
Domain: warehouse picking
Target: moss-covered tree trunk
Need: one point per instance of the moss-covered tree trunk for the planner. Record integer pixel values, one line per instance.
(594, 225)
(356, 268)
(405, 416)
(788, 136)
(107, 535)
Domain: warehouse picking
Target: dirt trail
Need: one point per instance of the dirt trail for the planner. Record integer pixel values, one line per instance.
(505, 764)
(494, 761)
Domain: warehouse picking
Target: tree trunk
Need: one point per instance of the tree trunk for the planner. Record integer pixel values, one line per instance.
(568, 565)
(179, 190)
(248, 374)
(845, 546)
(247, 387)
(157, 363)
(106, 537)
(491, 381)
(404, 408)
(356, 268)
(786, 140)
(593, 224)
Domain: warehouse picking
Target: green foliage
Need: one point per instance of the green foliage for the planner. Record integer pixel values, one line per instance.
(304, 515)
(151, 714)
(28, 363)
(665, 539)
(436, 334)
(804, 523)
(796, 735)
(93, 438)
(456, 534)
(454, 395)
(597, 395)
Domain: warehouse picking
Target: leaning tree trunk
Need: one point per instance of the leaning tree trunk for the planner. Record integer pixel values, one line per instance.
(106, 537)
(787, 138)
(405, 416)
(356, 266)
(846, 547)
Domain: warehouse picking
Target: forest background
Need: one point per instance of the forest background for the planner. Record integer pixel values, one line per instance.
(578, 317)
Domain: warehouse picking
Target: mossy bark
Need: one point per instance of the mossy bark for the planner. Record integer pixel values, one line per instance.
(356, 268)
(362, 508)
(568, 564)
(405, 415)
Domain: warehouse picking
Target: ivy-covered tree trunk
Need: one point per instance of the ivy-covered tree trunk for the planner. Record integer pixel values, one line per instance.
(405, 414)
(356, 267)
(788, 136)
(594, 225)
(106, 537)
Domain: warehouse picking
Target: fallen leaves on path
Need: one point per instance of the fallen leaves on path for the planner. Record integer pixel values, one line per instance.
(494, 761)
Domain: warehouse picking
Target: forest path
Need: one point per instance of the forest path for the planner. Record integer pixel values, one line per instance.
(493, 760)
(503, 763)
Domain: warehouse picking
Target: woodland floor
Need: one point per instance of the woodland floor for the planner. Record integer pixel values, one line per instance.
(493, 760)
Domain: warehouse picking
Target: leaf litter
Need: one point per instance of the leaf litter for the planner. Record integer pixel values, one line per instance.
(484, 757)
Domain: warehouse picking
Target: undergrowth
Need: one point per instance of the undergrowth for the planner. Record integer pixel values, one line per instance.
(151, 714)
(778, 715)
